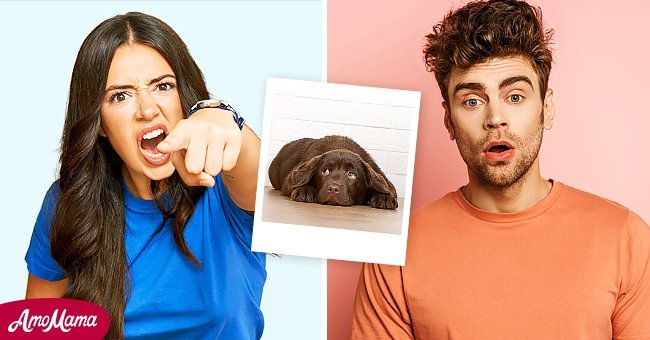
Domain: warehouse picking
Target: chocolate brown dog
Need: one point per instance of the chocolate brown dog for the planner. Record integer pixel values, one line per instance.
(331, 170)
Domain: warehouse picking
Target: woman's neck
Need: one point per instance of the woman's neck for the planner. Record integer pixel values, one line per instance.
(139, 186)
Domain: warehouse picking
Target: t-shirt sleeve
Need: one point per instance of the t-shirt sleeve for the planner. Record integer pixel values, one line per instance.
(380, 309)
(39, 257)
(240, 220)
(631, 318)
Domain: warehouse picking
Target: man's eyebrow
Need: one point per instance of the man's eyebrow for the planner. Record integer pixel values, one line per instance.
(512, 80)
(469, 86)
(154, 80)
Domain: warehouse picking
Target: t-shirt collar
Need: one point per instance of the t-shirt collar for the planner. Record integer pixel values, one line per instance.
(525, 214)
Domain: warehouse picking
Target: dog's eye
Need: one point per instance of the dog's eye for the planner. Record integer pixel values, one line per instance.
(325, 171)
(351, 174)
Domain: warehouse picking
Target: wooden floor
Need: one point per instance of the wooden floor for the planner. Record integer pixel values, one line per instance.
(281, 209)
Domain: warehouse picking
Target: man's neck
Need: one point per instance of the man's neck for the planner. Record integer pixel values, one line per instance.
(529, 190)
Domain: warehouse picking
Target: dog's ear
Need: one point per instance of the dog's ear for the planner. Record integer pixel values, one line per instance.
(303, 173)
(376, 181)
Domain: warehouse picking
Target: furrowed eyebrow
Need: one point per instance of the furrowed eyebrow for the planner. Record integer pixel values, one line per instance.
(469, 86)
(119, 87)
(513, 80)
(154, 80)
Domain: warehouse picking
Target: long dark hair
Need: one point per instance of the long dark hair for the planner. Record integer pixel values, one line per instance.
(87, 238)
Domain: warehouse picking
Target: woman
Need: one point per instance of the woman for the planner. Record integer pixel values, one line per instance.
(150, 215)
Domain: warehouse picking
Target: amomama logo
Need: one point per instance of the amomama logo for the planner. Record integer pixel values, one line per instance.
(63, 322)
(52, 318)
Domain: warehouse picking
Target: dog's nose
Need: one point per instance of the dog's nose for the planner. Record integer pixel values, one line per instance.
(333, 188)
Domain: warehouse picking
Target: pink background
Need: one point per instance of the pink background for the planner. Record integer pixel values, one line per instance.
(599, 142)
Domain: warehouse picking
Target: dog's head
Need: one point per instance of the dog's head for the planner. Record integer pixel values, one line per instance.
(341, 177)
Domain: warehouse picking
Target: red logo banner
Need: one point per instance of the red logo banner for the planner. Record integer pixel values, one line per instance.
(52, 319)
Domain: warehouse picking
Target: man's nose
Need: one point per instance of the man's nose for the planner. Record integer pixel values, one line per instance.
(495, 117)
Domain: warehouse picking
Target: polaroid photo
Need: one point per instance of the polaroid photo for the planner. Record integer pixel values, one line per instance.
(336, 171)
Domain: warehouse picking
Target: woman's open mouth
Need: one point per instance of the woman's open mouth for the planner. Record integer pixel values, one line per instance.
(149, 138)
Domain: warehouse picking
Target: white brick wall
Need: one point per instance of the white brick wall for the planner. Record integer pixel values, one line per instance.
(380, 120)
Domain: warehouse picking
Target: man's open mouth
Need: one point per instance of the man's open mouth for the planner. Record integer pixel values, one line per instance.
(499, 152)
(498, 147)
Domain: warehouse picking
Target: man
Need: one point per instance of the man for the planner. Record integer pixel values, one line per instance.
(510, 255)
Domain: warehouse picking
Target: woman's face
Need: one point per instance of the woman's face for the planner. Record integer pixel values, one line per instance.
(141, 106)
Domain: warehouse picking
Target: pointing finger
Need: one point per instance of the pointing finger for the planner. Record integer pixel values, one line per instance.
(176, 140)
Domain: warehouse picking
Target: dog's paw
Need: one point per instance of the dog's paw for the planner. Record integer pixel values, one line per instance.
(305, 193)
(383, 201)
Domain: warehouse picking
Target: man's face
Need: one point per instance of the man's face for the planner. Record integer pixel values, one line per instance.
(496, 115)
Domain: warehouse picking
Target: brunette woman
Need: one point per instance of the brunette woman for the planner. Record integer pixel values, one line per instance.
(151, 217)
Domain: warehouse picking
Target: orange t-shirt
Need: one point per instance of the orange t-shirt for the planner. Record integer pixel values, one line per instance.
(574, 266)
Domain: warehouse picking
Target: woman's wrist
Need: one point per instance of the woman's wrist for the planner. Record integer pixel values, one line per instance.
(218, 104)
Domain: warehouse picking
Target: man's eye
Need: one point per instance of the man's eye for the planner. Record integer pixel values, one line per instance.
(351, 174)
(516, 98)
(325, 171)
(472, 102)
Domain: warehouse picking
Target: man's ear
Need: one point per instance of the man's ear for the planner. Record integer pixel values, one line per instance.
(302, 174)
(377, 182)
(448, 123)
(549, 110)
(101, 131)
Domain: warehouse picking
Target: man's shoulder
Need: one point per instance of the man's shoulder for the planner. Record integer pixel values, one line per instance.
(578, 199)
(594, 209)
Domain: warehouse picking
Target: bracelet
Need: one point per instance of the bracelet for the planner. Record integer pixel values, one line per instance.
(217, 104)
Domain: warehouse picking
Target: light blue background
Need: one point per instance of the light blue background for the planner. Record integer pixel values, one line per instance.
(236, 44)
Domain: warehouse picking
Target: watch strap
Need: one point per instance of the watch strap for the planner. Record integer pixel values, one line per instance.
(217, 104)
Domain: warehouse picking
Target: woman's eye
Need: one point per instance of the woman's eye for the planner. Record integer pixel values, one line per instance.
(516, 98)
(119, 97)
(351, 174)
(325, 171)
(165, 86)
(472, 102)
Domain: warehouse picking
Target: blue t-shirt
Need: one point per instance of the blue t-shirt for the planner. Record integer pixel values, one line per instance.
(171, 297)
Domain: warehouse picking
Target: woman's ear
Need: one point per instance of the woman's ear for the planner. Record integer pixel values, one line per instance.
(101, 131)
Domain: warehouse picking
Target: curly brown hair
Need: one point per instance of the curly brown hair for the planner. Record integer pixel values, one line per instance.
(484, 30)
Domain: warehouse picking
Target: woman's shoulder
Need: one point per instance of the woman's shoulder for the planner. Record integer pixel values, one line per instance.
(51, 197)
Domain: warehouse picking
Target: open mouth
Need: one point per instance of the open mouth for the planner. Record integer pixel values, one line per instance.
(499, 151)
(150, 138)
(499, 148)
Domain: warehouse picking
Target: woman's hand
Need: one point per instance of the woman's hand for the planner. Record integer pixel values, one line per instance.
(203, 145)
(209, 142)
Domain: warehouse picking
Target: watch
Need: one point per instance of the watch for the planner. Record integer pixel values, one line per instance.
(218, 104)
